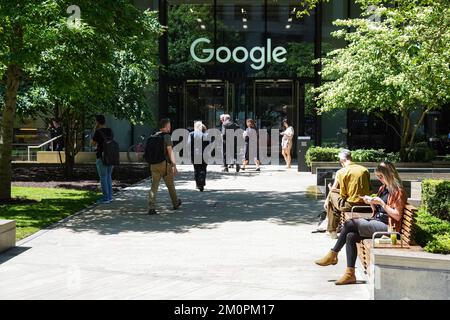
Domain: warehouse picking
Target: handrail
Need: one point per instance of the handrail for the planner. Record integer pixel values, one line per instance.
(41, 145)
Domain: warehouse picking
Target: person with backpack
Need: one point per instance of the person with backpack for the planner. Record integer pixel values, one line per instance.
(159, 154)
(107, 156)
(197, 142)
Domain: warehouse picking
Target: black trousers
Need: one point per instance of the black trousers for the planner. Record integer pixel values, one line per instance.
(349, 236)
(200, 174)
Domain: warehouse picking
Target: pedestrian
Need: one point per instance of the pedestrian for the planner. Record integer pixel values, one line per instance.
(228, 125)
(286, 142)
(197, 143)
(101, 135)
(251, 136)
(56, 131)
(159, 154)
(387, 209)
(352, 181)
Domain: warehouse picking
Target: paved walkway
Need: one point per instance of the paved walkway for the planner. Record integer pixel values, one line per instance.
(248, 236)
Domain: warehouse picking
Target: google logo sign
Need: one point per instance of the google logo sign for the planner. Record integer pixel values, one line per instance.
(259, 56)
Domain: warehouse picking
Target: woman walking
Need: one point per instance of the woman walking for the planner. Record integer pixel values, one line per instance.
(251, 137)
(387, 210)
(286, 143)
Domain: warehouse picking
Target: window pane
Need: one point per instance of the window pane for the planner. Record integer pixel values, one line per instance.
(240, 24)
(188, 21)
(295, 34)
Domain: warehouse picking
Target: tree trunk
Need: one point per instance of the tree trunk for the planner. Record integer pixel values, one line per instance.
(404, 137)
(9, 111)
(69, 143)
(73, 135)
(417, 125)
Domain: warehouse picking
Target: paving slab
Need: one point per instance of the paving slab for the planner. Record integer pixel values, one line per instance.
(248, 236)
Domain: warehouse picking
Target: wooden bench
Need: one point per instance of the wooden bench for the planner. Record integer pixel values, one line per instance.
(7, 234)
(406, 240)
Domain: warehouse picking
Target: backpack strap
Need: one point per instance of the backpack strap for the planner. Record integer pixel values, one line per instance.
(103, 134)
(162, 134)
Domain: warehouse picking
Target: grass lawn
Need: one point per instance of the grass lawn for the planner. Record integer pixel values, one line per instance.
(54, 205)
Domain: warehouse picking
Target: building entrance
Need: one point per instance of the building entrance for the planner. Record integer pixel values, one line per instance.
(273, 102)
(267, 101)
(206, 100)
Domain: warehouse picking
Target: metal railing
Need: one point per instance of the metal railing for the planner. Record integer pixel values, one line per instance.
(41, 145)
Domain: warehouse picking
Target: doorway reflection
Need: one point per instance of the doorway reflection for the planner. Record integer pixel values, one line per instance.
(205, 101)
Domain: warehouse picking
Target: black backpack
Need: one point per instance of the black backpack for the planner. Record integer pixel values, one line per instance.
(154, 149)
(111, 151)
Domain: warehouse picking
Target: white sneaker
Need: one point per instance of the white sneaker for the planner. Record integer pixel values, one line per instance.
(323, 225)
(333, 235)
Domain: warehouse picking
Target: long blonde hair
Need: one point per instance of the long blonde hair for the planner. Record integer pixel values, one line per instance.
(390, 174)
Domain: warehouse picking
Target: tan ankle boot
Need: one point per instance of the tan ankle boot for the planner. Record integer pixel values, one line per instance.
(330, 258)
(347, 278)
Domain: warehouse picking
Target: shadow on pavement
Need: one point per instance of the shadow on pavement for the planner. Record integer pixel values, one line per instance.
(12, 253)
(128, 213)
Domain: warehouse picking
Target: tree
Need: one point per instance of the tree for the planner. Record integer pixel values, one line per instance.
(111, 77)
(399, 64)
(76, 62)
(24, 32)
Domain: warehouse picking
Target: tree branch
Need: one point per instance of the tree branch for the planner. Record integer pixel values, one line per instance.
(418, 124)
(387, 123)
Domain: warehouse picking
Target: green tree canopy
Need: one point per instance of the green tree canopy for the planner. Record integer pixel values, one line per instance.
(397, 64)
(101, 61)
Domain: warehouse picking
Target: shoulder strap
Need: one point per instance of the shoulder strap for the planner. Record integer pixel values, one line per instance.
(159, 134)
(103, 134)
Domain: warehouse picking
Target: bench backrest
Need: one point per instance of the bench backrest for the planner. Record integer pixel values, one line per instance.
(408, 221)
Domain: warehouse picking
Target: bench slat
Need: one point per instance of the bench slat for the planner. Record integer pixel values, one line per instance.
(409, 219)
(407, 225)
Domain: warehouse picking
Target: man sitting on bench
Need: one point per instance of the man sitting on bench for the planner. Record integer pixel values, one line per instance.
(353, 181)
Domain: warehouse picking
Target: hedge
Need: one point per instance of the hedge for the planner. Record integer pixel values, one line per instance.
(436, 198)
(358, 155)
(432, 233)
(321, 154)
(420, 152)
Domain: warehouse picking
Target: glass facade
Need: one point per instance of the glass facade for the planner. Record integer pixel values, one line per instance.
(248, 58)
(252, 59)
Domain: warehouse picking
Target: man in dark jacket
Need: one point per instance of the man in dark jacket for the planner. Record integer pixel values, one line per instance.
(101, 133)
(227, 124)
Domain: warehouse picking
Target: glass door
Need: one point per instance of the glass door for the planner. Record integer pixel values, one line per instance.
(206, 101)
(273, 102)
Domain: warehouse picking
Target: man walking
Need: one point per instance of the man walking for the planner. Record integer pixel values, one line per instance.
(101, 135)
(160, 155)
(353, 180)
(227, 124)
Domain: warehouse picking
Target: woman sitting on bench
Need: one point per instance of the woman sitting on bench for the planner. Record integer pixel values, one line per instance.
(387, 209)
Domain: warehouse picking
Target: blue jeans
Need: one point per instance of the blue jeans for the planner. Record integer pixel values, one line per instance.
(105, 173)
